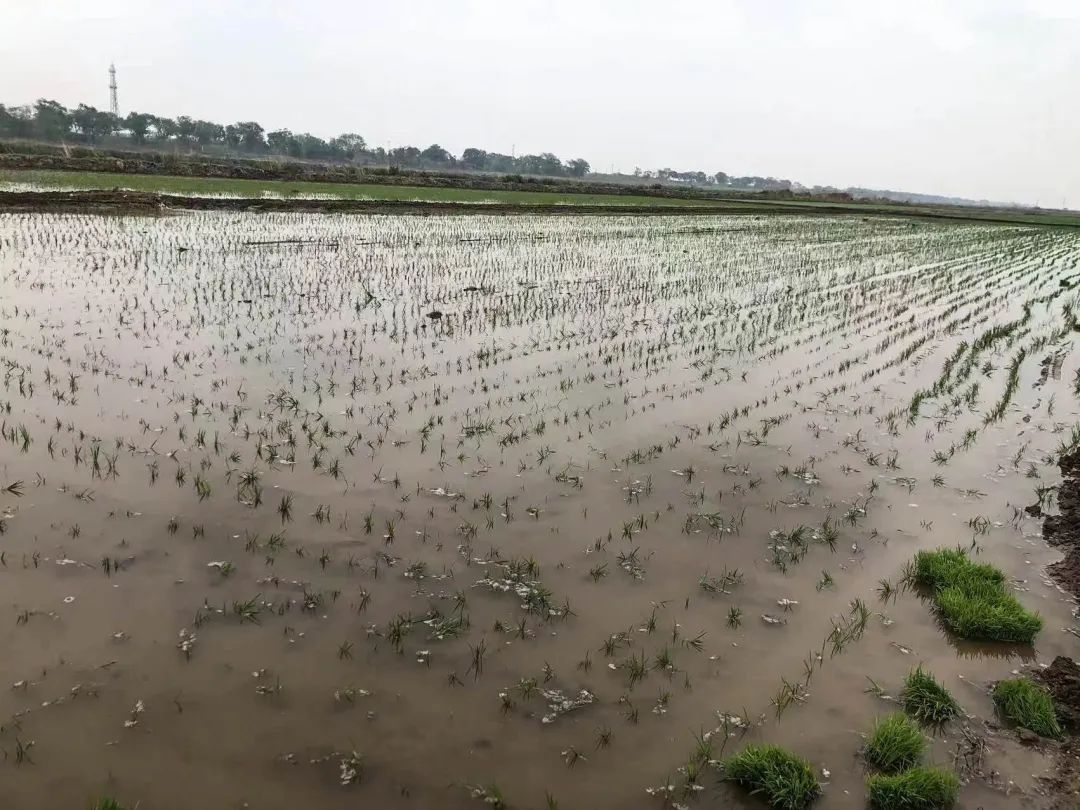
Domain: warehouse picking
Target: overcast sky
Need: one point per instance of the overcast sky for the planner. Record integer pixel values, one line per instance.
(975, 98)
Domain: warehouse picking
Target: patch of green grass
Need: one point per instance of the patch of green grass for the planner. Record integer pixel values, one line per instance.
(972, 598)
(1028, 705)
(927, 700)
(107, 804)
(895, 744)
(917, 789)
(218, 186)
(784, 780)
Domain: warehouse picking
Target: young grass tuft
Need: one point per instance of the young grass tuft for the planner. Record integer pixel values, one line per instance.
(784, 780)
(920, 788)
(927, 700)
(972, 598)
(895, 745)
(1028, 705)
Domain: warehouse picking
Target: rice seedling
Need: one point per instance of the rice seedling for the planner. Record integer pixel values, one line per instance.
(927, 700)
(894, 745)
(1028, 705)
(922, 788)
(972, 599)
(782, 779)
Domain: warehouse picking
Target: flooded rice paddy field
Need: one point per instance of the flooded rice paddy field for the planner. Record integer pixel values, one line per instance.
(329, 512)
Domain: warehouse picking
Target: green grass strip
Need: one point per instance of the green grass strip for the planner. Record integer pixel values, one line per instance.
(784, 780)
(927, 700)
(973, 599)
(895, 744)
(1028, 705)
(916, 789)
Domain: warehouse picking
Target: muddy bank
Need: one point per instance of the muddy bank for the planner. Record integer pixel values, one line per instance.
(1063, 530)
(1062, 678)
(46, 157)
(138, 202)
(117, 201)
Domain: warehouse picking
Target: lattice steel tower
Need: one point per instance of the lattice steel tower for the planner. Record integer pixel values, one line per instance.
(114, 105)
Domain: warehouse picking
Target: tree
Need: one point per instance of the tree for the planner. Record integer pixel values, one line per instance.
(349, 145)
(87, 122)
(435, 155)
(207, 132)
(16, 122)
(164, 128)
(250, 135)
(312, 146)
(185, 129)
(137, 124)
(578, 167)
(405, 156)
(475, 159)
(544, 163)
(283, 142)
(721, 178)
(52, 121)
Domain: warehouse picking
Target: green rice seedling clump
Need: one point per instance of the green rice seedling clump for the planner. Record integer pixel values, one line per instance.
(927, 700)
(784, 780)
(1028, 705)
(916, 789)
(895, 744)
(972, 598)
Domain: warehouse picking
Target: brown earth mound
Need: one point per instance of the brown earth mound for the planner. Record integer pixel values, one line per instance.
(1063, 530)
(1062, 678)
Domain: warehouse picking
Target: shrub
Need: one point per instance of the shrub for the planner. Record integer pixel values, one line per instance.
(783, 780)
(927, 700)
(972, 598)
(895, 745)
(917, 789)
(1028, 705)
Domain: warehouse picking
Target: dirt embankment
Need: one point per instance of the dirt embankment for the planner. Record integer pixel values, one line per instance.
(137, 202)
(1062, 677)
(1063, 530)
(116, 201)
(50, 157)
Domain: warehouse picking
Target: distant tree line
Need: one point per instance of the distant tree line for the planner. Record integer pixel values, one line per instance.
(717, 179)
(50, 121)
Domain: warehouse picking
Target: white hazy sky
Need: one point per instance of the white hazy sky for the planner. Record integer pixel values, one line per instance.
(975, 98)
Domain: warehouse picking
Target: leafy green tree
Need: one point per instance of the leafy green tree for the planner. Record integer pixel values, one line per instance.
(85, 120)
(475, 159)
(207, 132)
(349, 145)
(405, 156)
(52, 121)
(577, 168)
(312, 146)
(185, 129)
(16, 122)
(138, 124)
(164, 128)
(435, 155)
(283, 142)
(250, 136)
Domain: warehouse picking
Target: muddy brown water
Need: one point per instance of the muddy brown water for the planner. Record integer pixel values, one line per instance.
(607, 382)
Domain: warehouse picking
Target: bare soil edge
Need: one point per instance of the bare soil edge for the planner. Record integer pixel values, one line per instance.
(1062, 677)
(138, 202)
(116, 201)
(1063, 530)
